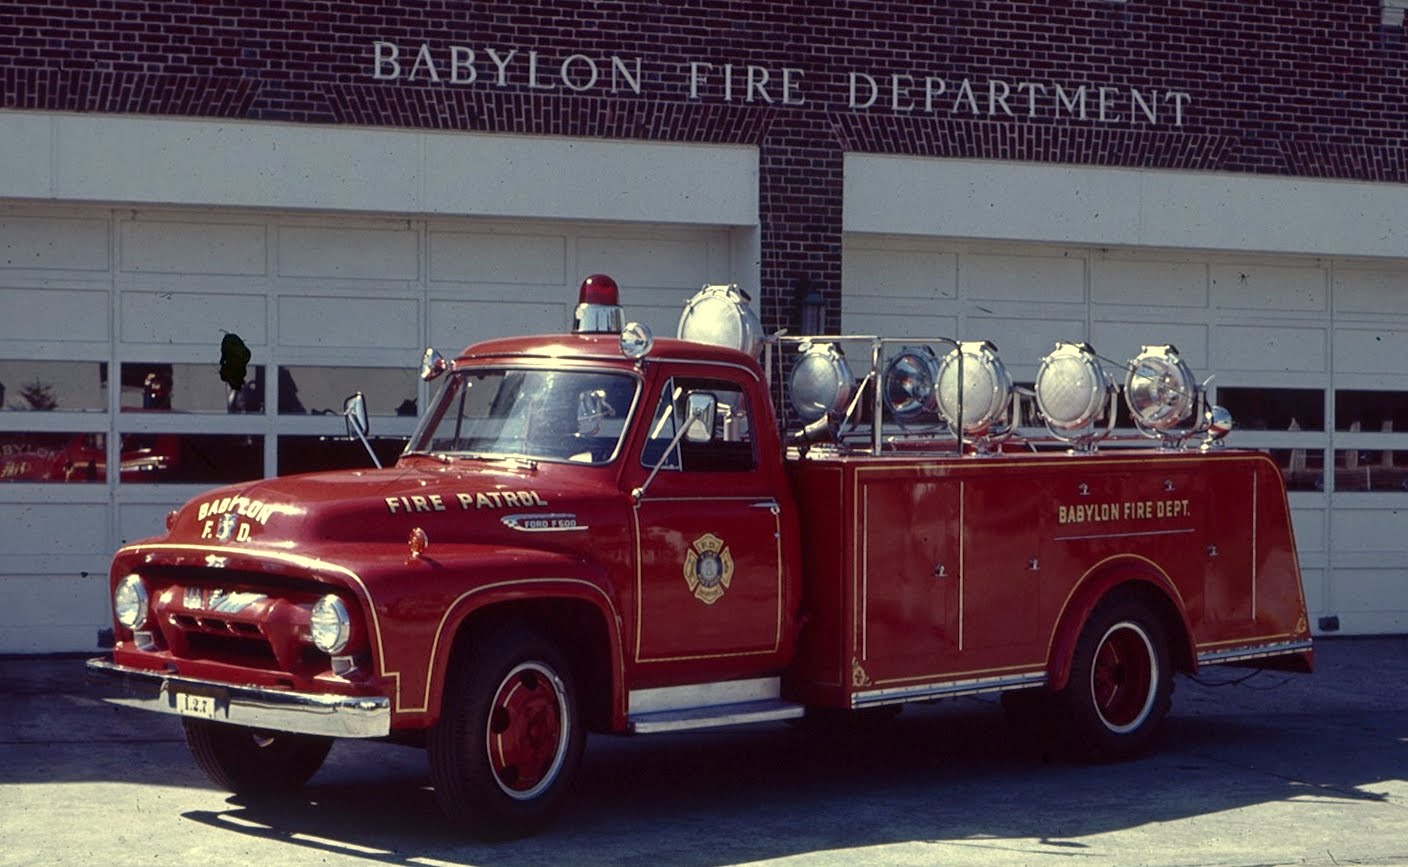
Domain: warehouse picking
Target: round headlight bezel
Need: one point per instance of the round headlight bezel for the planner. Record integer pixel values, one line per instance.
(330, 625)
(130, 595)
(1072, 388)
(821, 384)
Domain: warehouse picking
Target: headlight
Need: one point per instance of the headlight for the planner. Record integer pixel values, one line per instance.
(329, 625)
(129, 602)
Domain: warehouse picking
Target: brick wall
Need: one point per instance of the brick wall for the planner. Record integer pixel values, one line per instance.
(1271, 86)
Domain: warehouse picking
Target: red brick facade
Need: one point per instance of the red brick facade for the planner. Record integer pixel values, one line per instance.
(1284, 87)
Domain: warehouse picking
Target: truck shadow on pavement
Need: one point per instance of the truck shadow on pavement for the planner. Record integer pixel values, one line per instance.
(952, 774)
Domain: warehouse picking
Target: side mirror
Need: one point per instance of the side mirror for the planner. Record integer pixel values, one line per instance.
(432, 364)
(354, 412)
(699, 421)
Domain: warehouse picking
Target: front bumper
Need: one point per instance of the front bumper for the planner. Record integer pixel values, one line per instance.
(343, 716)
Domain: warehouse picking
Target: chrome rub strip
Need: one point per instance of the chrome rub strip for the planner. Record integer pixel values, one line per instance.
(895, 695)
(1257, 651)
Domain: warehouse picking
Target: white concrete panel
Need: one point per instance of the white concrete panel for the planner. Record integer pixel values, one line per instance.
(52, 243)
(363, 254)
(1105, 206)
(918, 274)
(1148, 282)
(1370, 591)
(1371, 350)
(677, 263)
(590, 179)
(1355, 530)
(1022, 278)
(491, 257)
(46, 638)
(37, 529)
(890, 321)
(1259, 286)
(112, 158)
(456, 324)
(1371, 291)
(1246, 347)
(141, 520)
(55, 315)
(1121, 340)
(384, 323)
(26, 140)
(1309, 527)
(193, 248)
(1023, 342)
(192, 318)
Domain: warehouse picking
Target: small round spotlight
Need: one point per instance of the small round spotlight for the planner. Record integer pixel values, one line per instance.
(1072, 388)
(909, 383)
(636, 340)
(821, 382)
(1160, 390)
(129, 602)
(985, 393)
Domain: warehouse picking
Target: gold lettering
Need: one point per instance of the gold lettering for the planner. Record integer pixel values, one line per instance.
(482, 500)
(420, 503)
(510, 498)
(466, 500)
(437, 503)
(392, 503)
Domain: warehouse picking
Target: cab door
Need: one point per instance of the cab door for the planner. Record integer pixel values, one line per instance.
(708, 533)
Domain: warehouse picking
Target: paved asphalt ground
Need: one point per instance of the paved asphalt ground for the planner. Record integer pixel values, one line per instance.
(1278, 769)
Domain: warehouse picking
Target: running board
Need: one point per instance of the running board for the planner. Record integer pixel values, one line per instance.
(709, 705)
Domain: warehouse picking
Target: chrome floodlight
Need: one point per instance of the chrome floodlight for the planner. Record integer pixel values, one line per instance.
(1074, 393)
(722, 316)
(821, 382)
(979, 401)
(1159, 389)
(910, 382)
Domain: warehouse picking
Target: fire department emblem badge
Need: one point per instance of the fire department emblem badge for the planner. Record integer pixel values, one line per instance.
(226, 529)
(708, 568)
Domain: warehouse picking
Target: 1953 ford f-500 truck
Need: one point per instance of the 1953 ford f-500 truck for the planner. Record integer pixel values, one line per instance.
(601, 531)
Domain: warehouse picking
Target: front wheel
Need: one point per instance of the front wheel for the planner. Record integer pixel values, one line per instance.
(510, 736)
(1121, 685)
(254, 762)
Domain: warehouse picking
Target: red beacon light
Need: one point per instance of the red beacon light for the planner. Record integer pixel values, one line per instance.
(598, 307)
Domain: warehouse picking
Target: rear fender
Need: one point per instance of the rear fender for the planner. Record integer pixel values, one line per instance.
(1097, 583)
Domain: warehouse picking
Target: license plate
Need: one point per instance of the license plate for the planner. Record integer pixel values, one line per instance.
(202, 706)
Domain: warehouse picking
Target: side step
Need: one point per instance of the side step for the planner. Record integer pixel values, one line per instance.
(709, 705)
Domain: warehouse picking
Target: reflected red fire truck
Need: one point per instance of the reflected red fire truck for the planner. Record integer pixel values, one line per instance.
(602, 531)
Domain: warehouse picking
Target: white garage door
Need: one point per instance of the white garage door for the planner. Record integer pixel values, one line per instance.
(111, 323)
(1310, 354)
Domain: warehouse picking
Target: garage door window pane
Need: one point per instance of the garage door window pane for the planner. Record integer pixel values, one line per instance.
(191, 458)
(49, 386)
(1303, 469)
(310, 389)
(1367, 471)
(53, 457)
(154, 387)
(308, 454)
(1279, 409)
(1371, 410)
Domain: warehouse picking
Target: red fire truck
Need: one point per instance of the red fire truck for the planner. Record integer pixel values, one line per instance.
(602, 531)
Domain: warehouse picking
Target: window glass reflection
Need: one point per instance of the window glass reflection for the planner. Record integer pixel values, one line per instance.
(145, 458)
(1371, 411)
(1368, 471)
(1303, 469)
(1280, 409)
(309, 454)
(321, 390)
(47, 386)
(191, 458)
(195, 388)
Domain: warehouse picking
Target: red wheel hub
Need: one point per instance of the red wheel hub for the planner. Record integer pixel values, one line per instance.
(526, 733)
(1123, 676)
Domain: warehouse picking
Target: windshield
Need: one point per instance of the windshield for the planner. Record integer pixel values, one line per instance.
(552, 415)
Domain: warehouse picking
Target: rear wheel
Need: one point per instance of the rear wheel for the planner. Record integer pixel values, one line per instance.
(510, 736)
(1121, 685)
(254, 762)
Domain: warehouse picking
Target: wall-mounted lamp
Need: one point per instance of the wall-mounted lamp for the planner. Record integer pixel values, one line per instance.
(811, 306)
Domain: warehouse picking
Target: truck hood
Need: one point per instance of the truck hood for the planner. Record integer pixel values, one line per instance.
(464, 502)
